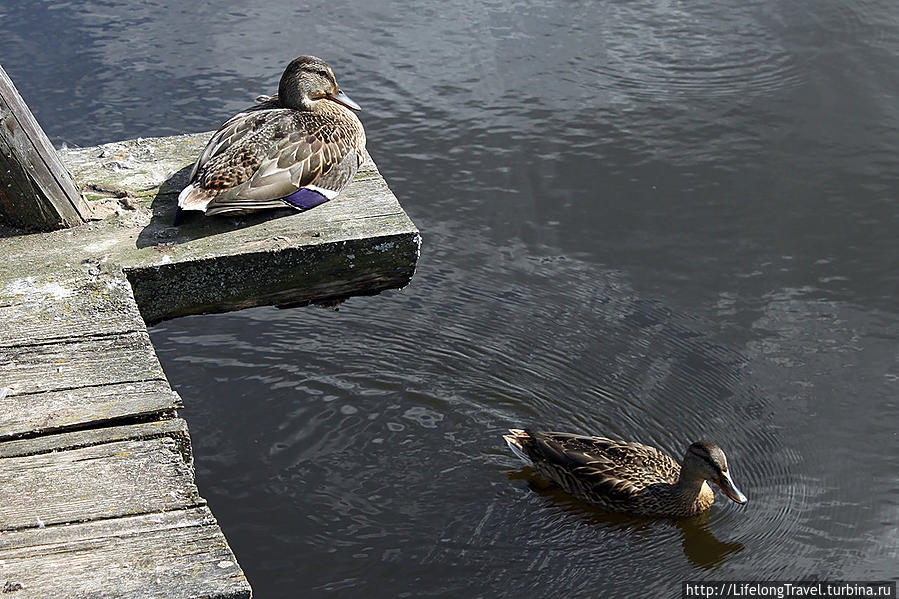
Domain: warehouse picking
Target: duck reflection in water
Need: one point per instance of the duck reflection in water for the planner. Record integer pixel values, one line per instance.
(636, 481)
(700, 545)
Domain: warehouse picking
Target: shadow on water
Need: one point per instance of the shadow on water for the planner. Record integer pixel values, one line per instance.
(701, 547)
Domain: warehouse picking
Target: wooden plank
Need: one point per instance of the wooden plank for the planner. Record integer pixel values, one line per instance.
(174, 428)
(64, 305)
(360, 243)
(292, 276)
(227, 263)
(172, 555)
(38, 192)
(90, 362)
(32, 414)
(111, 480)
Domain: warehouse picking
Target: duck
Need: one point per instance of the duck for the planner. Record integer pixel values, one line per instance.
(624, 476)
(296, 149)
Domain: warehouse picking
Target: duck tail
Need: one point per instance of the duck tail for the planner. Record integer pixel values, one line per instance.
(195, 198)
(191, 198)
(514, 440)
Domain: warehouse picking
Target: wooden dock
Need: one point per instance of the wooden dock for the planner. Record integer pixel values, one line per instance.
(97, 495)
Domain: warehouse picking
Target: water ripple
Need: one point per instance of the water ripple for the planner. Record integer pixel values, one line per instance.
(403, 442)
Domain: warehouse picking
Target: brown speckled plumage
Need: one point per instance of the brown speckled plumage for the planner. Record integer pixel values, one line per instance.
(303, 136)
(625, 476)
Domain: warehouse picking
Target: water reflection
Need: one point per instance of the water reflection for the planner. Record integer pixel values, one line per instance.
(701, 546)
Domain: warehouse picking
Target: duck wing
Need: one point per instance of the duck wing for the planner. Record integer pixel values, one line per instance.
(261, 158)
(596, 466)
(234, 129)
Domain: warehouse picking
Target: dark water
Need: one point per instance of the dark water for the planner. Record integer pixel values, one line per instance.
(658, 221)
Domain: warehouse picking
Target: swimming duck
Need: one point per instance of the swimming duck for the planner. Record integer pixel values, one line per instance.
(297, 149)
(627, 477)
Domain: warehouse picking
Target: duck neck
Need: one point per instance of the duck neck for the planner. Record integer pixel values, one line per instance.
(694, 492)
(689, 486)
(297, 101)
(292, 95)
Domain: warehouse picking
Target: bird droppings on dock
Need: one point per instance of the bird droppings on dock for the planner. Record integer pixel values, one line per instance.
(33, 291)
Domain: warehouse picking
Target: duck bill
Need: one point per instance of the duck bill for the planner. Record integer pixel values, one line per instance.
(342, 98)
(730, 489)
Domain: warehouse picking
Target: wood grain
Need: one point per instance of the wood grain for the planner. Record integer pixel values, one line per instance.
(37, 191)
(90, 362)
(103, 481)
(64, 305)
(174, 428)
(172, 555)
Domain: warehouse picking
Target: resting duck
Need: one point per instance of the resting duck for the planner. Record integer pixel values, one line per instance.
(627, 477)
(296, 149)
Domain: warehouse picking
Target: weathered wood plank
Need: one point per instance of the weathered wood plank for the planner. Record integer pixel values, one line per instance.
(111, 480)
(172, 555)
(90, 362)
(293, 276)
(360, 243)
(229, 263)
(52, 411)
(38, 192)
(63, 305)
(174, 428)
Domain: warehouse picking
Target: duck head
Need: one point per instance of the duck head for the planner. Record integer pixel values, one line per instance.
(705, 460)
(308, 80)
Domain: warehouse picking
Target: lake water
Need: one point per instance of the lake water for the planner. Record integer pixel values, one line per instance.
(652, 220)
